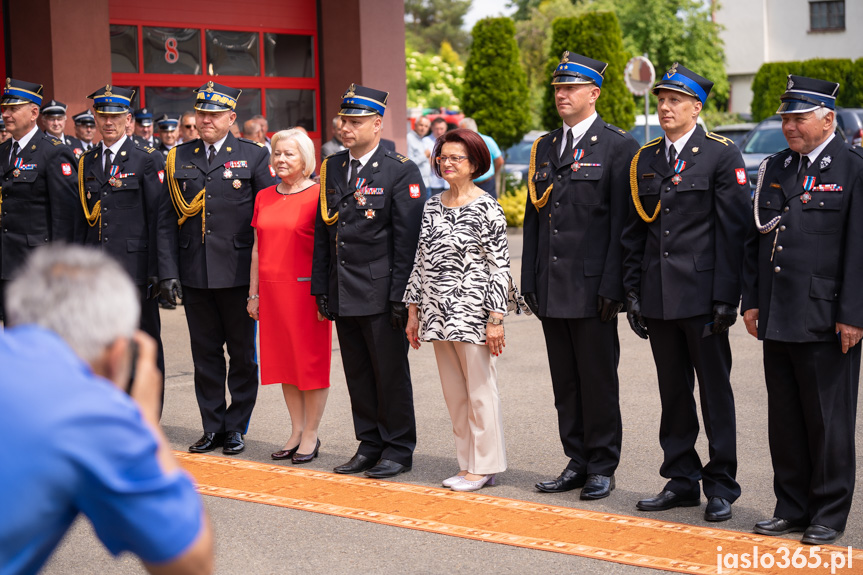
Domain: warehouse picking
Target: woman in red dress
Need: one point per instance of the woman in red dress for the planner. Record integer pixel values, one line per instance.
(295, 343)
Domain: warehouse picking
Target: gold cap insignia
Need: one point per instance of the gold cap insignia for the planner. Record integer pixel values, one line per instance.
(672, 71)
(8, 83)
(108, 90)
(565, 58)
(351, 91)
(210, 86)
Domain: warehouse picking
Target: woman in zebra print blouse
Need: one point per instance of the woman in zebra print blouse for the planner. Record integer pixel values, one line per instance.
(459, 291)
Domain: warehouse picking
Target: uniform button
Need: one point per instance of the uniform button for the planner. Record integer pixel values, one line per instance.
(341, 243)
(820, 204)
(554, 232)
(782, 228)
(209, 179)
(556, 204)
(209, 232)
(777, 269)
(105, 225)
(344, 204)
(786, 209)
(343, 262)
(778, 248)
(665, 233)
(554, 259)
(559, 176)
(343, 224)
(665, 254)
(209, 196)
(105, 239)
(668, 189)
(208, 213)
(768, 203)
(666, 210)
(104, 193)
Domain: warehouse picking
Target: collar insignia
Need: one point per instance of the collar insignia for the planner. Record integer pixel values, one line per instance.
(825, 161)
(695, 149)
(787, 162)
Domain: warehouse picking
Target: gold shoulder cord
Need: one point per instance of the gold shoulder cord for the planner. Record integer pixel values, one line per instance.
(327, 220)
(183, 209)
(94, 218)
(531, 186)
(633, 186)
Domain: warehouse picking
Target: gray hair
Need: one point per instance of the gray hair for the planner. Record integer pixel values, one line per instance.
(469, 124)
(304, 144)
(81, 294)
(821, 113)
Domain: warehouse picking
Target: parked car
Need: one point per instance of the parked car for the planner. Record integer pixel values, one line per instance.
(517, 156)
(765, 139)
(851, 122)
(655, 131)
(734, 132)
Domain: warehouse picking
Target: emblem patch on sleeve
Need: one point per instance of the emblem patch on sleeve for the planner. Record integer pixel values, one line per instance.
(272, 172)
(67, 169)
(415, 191)
(741, 175)
(161, 176)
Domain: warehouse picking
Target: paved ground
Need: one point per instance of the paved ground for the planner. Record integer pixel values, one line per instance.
(259, 539)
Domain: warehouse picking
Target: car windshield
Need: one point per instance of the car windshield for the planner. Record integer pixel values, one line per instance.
(766, 140)
(519, 153)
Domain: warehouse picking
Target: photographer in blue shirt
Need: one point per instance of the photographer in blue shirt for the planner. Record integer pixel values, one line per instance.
(79, 442)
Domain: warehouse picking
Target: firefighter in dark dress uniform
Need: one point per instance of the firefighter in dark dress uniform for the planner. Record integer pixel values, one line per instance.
(366, 236)
(53, 117)
(572, 271)
(125, 203)
(804, 268)
(683, 252)
(85, 129)
(213, 182)
(38, 183)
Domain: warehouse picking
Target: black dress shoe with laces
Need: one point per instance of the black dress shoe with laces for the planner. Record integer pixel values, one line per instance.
(597, 486)
(718, 509)
(387, 468)
(820, 535)
(233, 443)
(668, 500)
(778, 526)
(357, 464)
(208, 442)
(566, 481)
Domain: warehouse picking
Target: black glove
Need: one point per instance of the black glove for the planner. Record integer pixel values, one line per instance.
(171, 290)
(398, 315)
(153, 287)
(633, 314)
(608, 308)
(323, 309)
(724, 316)
(532, 303)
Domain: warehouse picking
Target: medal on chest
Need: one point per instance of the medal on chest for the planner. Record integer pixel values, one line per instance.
(370, 214)
(808, 184)
(360, 198)
(679, 166)
(227, 174)
(577, 154)
(114, 181)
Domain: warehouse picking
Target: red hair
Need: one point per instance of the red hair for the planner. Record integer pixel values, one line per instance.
(477, 151)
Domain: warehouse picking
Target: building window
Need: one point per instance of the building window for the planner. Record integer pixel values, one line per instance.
(275, 69)
(825, 16)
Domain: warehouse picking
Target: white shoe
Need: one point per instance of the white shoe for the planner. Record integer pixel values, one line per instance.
(450, 481)
(465, 485)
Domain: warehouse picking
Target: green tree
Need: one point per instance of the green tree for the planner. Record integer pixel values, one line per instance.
(670, 31)
(495, 85)
(768, 85)
(833, 70)
(596, 35)
(428, 23)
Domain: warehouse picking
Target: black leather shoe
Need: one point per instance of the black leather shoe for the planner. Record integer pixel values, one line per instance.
(820, 535)
(233, 443)
(777, 526)
(208, 442)
(387, 468)
(597, 486)
(718, 509)
(305, 458)
(667, 500)
(285, 453)
(356, 464)
(566, 481)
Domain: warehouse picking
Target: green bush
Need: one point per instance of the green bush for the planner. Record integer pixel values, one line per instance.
(769, 83)
(513, 202)
(495, 85)
(832, 70)
(855, 84)
(596, 35)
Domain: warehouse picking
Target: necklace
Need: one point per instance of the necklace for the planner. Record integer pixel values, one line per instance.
(290, 193)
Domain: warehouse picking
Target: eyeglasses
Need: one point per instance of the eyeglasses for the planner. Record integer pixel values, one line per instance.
(189, 126)
(454, 159)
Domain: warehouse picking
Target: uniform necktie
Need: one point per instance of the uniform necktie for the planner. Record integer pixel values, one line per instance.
(672, 155)
(212, 155)
(804, 165)
(108, 162)
(568, 149)
(15, 149)
(355, 169)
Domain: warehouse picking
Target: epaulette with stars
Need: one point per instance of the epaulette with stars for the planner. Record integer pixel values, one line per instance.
(251, 142)
(398, 157)
(616, 130)
(721, 139)
(148, 149)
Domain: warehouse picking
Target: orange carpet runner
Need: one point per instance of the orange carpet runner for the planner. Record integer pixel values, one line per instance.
(619, 538)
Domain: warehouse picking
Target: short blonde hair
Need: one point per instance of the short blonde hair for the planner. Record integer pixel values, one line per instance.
(304, 144)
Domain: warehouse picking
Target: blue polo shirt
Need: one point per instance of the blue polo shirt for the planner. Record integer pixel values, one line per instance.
(74, 443)
(494, 151)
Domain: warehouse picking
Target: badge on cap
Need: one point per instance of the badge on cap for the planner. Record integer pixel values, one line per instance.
(66, 169)
(237, 184)
(370, 214)
(741, 175)
(415, 191)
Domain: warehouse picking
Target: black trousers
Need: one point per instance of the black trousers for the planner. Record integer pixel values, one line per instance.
(583, 355)
(218, 319)
(812, 409)
(375, 357)
(679, 348)
(151, 324)
(3, 284)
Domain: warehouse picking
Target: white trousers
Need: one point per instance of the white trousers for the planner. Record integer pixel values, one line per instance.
(469, 380)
